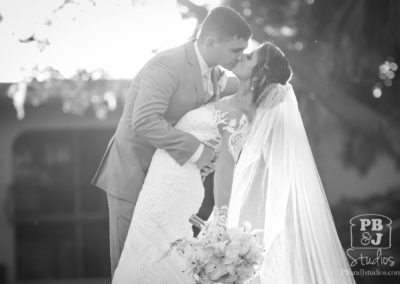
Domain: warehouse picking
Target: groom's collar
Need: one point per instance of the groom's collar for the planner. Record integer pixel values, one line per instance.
(204, 68)
(190, 53)
(195, 70)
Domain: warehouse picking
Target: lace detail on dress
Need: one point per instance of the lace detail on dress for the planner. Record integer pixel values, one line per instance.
(237, 130)
(219, 118)
(238, 136)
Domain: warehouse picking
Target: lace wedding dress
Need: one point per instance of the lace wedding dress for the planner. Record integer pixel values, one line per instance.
(170, 195)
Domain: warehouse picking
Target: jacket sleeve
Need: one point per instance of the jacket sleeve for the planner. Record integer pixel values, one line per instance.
(158, 84)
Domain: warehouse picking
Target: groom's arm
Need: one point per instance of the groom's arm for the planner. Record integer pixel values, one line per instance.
(158, 83)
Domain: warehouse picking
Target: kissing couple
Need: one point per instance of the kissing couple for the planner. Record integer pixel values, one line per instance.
(182, 119)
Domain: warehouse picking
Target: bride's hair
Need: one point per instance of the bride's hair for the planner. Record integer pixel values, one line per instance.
(272, 67)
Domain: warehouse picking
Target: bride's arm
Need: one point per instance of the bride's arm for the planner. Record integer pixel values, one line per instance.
(223, 173)
(231, 141)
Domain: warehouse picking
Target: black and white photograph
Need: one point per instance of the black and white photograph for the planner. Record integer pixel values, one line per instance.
(199, 142)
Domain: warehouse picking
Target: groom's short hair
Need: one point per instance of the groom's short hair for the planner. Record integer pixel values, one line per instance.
(224, 23)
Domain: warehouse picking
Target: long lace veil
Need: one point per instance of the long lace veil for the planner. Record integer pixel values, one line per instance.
(277, 187)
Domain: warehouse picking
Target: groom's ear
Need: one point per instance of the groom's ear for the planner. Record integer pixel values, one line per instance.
(211, 41)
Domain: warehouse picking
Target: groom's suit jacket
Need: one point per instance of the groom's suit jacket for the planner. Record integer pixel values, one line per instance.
(167, 87)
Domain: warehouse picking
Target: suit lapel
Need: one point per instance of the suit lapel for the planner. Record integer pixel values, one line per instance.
(195, 70)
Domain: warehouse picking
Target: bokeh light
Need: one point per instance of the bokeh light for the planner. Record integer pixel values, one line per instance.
(298, 46)
(247, 12)
(377, 91)
(387, 71)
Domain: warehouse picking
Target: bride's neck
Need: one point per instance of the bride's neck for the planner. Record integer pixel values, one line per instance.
(244, 87)
(243, 99)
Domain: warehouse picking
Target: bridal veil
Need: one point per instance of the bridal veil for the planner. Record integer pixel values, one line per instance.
(277, 187)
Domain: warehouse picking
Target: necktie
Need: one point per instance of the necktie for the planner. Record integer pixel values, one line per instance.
(208, 85)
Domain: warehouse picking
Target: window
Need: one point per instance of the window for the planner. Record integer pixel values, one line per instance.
(61, 220)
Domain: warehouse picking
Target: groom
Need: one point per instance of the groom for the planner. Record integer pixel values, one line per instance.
(169, 85)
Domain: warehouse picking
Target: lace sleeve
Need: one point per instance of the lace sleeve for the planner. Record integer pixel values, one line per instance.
(237, 127)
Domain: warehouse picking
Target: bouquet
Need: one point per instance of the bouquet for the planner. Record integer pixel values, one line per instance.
(220, 254)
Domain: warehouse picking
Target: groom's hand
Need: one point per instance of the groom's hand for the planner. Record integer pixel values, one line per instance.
(209, 168)
(206, 157)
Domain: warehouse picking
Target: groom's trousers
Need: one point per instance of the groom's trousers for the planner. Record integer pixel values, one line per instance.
(120, 214)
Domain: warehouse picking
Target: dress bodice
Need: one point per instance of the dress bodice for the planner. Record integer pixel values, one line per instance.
(208, 123)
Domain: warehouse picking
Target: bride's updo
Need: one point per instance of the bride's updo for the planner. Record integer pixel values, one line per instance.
(272, 67)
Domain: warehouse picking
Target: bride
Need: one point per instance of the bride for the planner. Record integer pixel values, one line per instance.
(276, 187)
(172, 193)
